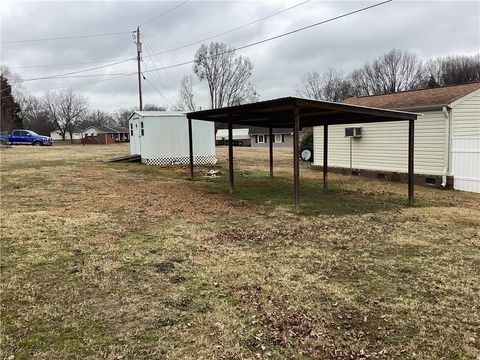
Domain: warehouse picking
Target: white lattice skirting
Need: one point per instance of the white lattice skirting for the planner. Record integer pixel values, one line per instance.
(183, 160)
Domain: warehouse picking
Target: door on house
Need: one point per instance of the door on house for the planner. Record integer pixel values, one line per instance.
(135, 139)
(466, 164)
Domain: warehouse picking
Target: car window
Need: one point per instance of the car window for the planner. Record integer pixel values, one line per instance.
(24, 133)
(16, 133)
(32, 132)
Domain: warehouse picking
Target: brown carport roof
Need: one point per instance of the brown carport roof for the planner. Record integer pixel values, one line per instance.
(278, 113)
(297, 113)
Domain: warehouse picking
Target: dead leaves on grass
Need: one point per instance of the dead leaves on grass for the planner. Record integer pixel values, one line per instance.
(289, 325)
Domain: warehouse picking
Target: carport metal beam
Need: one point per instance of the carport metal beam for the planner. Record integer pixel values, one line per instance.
(296, 158)
(276, 112)
(411, 157)
(230, 157)
(325, 157)
(190, 147)
(270, 149)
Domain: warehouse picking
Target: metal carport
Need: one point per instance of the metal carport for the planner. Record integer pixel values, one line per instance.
(298, 113)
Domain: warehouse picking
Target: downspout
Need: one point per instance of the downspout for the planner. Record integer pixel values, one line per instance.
(447, 112)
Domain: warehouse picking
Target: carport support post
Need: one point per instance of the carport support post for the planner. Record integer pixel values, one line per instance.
(190, 147)
(325, 157)
(411, 135)
(270, 142)
(296, 155)
(230, 156)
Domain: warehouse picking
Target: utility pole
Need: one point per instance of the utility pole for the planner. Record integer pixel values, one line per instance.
(139, 57)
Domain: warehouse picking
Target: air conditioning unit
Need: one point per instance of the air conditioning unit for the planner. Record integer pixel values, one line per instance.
(357, 132)
(354, 132)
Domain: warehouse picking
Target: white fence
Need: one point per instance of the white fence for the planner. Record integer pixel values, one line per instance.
(466, 164)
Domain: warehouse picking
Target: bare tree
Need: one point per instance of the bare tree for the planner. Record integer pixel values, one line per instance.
(331, 85)
(154, 107)
(228, 75)
(97, 117)
(121, 116)
(34, 115)
(394, 71)
(451, 70)
(186, 101)
(65, 109)
(310, 86)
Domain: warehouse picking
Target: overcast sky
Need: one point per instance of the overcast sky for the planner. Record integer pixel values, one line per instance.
(428, 28)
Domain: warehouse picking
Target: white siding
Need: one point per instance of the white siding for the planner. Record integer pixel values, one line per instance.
(384, 146)
(466, 117)
(466, 163)
(165, 139)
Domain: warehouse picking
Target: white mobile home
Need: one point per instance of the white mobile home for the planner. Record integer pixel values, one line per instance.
(447, 138)
(161, 138)
(56, 135)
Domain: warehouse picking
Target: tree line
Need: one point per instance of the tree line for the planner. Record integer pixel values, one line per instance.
(227, 77)
(394, 71)
(64, 110)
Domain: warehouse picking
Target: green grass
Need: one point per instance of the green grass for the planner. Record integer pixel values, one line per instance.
(259, 189)
(138, 262)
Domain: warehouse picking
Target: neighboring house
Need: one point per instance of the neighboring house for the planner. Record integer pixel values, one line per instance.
(56, 135)
(447, 138)
(103, 134)
(240, 137)
(281, 137)
(161, 138)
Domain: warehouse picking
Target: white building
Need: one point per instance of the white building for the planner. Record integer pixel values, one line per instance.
(447, 138)
(55, 135)
(239, 137)
(161, 138)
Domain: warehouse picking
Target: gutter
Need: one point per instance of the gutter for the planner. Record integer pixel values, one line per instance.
(423, 107)
(447, 112)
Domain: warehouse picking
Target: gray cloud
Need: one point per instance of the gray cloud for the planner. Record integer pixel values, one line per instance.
(429, 28)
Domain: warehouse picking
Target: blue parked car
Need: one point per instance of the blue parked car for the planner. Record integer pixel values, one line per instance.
(25, 137)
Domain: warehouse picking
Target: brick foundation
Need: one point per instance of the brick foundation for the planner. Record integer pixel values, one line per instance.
(418, 179)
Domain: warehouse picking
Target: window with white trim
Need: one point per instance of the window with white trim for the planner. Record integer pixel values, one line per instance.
(142, 129)
(261, 139)
(279, 138)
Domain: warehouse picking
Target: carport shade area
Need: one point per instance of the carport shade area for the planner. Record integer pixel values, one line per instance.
(299, 113)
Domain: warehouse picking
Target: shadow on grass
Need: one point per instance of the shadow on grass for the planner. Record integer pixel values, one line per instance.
(258, 188)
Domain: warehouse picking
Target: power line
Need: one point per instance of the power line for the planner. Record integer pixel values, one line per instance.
(83, 84)
(158, 91)
(152, 57)
(63, 64)
(164, 13)
(78, 72)
(278, 36)
(231, 30)
(158, 81)
(155, 74)
(177, 48)
(87, 76)
(67, 37)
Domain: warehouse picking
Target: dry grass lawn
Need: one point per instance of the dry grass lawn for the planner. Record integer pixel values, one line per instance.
(127, 261)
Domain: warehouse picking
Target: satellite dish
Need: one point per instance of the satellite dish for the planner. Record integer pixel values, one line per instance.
(306, 155)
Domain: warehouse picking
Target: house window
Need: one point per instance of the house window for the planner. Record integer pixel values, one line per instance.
(131, 129)
(142, 130)
(279, 138)
(261, 139)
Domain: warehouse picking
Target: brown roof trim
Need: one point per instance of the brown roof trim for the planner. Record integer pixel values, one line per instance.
(417, 99)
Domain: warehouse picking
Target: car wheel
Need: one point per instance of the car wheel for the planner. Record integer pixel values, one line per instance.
(37, 143)
(3, 142)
